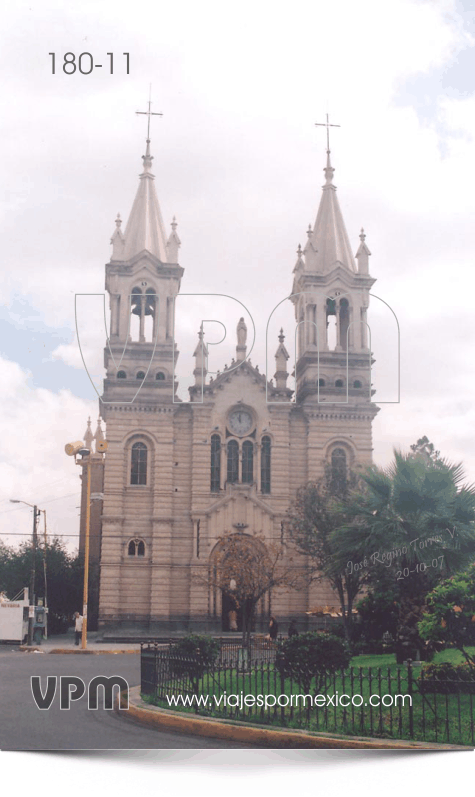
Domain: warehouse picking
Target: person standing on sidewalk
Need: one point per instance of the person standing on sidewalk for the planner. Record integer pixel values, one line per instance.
(78, 620)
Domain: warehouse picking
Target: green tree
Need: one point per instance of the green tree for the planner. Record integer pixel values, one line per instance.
(449, 616)
(379, 609)
(415, 518)
(317, 511)
(64, 578)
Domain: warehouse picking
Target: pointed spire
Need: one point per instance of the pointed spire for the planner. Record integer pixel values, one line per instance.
(88, 436)
(145, 229)
(201, 359)
(362, 254)
(99, 435)
(328, 244)
(173, 244)
(281, 356)
(118, 241)
(300, 263)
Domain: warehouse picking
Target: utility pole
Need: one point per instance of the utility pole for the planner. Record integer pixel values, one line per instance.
(34, 544)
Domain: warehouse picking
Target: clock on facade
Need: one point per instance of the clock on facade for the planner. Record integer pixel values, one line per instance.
(240, 422)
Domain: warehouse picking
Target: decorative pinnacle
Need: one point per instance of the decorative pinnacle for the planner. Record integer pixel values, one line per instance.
(309, 231)
(299, 251)
(328, 169)
(118, 221)
(281, 335)
(362, 235)
(174, 224)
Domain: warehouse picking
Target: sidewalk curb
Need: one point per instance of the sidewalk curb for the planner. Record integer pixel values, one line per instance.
(235, 731)
(88, 651)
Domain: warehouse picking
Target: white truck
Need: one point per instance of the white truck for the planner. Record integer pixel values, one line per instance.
(14, 617)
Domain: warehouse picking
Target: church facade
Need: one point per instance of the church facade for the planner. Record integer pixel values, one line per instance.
(180, 475)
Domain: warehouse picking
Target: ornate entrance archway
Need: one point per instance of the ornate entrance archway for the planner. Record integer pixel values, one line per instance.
(238, 565)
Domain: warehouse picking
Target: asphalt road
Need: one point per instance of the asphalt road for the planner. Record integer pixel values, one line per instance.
(24, 727)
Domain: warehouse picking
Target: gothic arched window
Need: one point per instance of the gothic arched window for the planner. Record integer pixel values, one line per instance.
(121, 375)
(138, 464)
(136, 548)
(338, 470)
(247, 462)
(233, 462)
(265, 465)
(215, 463)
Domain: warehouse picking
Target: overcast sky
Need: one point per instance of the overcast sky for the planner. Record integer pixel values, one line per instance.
(238, 160)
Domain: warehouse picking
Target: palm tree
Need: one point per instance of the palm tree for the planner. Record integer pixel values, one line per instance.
(417, 518)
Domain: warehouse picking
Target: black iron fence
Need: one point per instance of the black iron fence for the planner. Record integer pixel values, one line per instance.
(390, 702)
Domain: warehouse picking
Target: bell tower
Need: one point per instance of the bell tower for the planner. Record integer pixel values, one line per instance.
(142, 279)
(331, 296)
(333, 370)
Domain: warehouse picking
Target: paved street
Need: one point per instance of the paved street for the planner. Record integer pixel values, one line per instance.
(24, 727)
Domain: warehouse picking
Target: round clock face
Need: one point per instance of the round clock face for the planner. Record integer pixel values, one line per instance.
(240, 422)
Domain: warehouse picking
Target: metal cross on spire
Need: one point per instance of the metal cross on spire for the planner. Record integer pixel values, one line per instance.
(327, 125)
(149, 113)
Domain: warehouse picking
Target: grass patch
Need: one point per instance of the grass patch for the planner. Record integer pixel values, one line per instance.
(438, 718)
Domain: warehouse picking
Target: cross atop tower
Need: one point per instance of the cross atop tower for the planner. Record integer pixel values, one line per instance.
(149, 113)
(327, 125)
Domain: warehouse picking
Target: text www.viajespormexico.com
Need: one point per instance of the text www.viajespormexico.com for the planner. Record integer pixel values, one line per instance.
(241, 700)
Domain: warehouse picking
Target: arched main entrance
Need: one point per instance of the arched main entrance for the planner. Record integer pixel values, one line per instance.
(237, 577)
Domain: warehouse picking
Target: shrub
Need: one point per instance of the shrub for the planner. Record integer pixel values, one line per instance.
(192, 655)
(311, 656)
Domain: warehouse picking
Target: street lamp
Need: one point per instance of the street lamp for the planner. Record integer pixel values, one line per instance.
(34, 543)
(72, 450)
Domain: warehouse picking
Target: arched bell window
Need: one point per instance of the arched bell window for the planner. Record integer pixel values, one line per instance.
(357, 383)
(339, 383)
(121, 375)
(140, 375)
(143, 311)
(138, 464)
(160, 376)
(344, 323)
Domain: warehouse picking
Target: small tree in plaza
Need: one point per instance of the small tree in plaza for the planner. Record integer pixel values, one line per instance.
(247, 567)
(450, 614)
(311, 656)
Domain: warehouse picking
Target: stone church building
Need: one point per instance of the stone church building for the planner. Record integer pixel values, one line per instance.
(179, 475)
